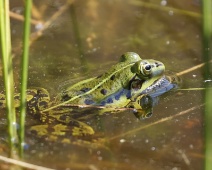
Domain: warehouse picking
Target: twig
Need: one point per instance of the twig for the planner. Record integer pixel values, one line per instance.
(21, 18)
(191, 69)
(97, 107)
(36, 35)
(157, 122)
(192, 89)
(23, 164)
(165, 8)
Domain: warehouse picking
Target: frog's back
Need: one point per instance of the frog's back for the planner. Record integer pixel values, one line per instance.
(95, 89)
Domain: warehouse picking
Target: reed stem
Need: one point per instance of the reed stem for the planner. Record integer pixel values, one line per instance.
(24, 73)
(8, 72)
(207, 54)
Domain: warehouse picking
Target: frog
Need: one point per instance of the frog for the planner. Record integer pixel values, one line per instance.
(100, 89)
(116, 88)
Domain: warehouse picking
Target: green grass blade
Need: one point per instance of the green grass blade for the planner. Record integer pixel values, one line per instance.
(24, 73)
(8, 72)
(76, 30)
(207, 35)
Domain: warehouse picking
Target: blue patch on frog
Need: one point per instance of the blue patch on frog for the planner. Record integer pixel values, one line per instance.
(89, 101)
(128, 94)
(109, 100)
(116, 96)
(119, 94)
(102, 103)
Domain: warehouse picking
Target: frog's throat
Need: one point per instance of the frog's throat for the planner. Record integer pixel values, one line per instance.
(94, 88)
(144, 86)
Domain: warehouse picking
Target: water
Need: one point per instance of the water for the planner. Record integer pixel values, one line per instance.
(106, 29)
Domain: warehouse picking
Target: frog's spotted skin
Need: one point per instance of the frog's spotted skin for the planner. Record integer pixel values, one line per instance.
(113, 87)
(37, 99)
(119, 87)
(98, 88)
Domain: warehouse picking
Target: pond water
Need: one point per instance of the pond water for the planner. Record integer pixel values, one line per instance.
(84, 40)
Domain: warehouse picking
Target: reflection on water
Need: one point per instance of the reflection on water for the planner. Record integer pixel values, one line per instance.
(107, 29)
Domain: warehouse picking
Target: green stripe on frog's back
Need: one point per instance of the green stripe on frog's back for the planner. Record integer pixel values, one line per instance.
(126, 61)
(64, 94)
(103, 86)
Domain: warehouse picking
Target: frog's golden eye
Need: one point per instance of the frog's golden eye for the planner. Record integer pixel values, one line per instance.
(146, 69)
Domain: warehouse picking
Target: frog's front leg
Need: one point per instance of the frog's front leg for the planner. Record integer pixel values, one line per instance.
(143, 106)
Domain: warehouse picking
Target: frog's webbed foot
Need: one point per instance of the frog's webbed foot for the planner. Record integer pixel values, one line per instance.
(68, 124)
(77, 129)
(61, 131)
(143, 114)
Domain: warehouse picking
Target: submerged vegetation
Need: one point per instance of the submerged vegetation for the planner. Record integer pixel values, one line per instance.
(66, 41)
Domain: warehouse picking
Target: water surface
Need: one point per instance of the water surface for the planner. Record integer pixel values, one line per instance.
(84, 41)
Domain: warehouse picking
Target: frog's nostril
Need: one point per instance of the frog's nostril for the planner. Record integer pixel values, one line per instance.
(158, 64)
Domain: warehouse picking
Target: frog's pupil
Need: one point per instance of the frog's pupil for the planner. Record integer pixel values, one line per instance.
(148, 67)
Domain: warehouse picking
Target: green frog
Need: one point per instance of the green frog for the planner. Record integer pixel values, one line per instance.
(123, 85)
(105, 89)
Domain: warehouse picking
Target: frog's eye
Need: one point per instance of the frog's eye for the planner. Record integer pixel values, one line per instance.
(146, 69)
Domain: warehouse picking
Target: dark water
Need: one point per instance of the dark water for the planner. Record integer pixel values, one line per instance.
(85, 40)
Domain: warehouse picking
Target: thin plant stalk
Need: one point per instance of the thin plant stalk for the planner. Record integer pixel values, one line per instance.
(8, 72)
(77, 37)
(207, 53)
(24, 73)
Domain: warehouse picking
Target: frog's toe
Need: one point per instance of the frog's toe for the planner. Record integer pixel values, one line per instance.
(40, 130)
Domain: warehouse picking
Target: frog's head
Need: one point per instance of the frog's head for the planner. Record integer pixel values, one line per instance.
(146, 69)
